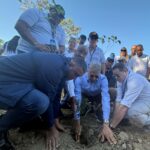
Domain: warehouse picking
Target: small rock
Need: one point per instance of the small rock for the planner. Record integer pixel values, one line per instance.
(91, 132)
(140, 140)
(137, 146)
(124, 146)
(129, 147)
(123, 136)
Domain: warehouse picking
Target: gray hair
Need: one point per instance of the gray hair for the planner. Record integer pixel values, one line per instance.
(96, 68)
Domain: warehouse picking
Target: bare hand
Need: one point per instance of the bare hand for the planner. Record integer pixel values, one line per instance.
(107, 133)
(52, 139)
(46, 48)
(59, 126)
(77, 128)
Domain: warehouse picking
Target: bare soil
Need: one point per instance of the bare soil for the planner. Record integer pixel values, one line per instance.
(128, 137)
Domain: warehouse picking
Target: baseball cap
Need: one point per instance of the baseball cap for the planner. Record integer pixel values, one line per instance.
(123, 49)
(93, 35)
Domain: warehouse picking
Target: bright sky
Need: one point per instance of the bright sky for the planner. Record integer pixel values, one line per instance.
(129, 20)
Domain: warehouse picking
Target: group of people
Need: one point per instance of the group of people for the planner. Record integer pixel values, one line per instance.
(32, 80)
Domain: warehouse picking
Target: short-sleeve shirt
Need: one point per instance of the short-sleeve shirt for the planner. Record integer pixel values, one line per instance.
(95, 57)
(40, 29)
(140, 64)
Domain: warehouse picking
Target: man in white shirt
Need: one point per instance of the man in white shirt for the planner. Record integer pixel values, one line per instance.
(141, 62)
(70, 51)
(40, 31)
(133, 97)
(95, 55)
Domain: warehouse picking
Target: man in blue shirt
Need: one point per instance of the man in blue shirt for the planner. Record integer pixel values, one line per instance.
(94, 86)
(30, 85)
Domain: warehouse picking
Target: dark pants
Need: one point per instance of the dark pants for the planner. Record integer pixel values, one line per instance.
(30, 106)
(91, 103)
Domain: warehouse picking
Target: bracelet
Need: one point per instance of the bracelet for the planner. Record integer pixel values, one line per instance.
(111, 127)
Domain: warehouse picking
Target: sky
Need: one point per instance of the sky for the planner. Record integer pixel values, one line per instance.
(129, 20)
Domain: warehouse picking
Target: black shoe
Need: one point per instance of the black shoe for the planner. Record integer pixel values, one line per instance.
(4, 142)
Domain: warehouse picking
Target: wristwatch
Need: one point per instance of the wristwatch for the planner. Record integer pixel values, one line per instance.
(106, 122)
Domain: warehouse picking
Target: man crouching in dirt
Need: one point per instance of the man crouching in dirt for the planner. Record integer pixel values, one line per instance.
(93, 86)
(29, 85)
(133, 98)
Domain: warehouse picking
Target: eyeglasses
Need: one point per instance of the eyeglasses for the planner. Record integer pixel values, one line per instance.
(94, 76)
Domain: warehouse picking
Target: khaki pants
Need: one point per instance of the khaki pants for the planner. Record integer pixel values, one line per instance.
(139, 113)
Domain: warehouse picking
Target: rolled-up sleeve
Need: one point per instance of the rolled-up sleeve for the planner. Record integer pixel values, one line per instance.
(105, 99)
(134, 88)
(71, 88)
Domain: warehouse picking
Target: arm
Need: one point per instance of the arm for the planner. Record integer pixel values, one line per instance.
(26, 21)
(24, 24)
(106, 132)
(77, 98)
(71, 88)
(132, 93)
(77, 109)
(148, 69)
(105, 98)
(119, 113)
(23, 29)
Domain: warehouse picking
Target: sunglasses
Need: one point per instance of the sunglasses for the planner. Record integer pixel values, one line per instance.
(94, 76)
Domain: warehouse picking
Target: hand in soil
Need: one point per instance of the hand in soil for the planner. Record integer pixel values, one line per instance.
(52, 139)
(107, 134)
(77, 128)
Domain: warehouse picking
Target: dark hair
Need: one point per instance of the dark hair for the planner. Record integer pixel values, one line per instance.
(93, 35)
(110, 59)
(80, 62)
(120, 66)
(140, 45)
(82, 36)
(123, 49)
(59, 9)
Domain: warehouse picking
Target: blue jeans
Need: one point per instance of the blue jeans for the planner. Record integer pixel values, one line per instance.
(31, 105)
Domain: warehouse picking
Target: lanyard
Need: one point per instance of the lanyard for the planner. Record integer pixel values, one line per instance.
(91, 54)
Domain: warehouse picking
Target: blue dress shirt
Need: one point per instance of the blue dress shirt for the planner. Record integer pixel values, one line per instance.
(100, 86)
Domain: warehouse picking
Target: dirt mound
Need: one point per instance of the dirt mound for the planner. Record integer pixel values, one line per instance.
(129, 138)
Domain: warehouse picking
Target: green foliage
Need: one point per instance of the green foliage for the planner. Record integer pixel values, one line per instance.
(1, 43)
(109, 42)
(70, 28)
